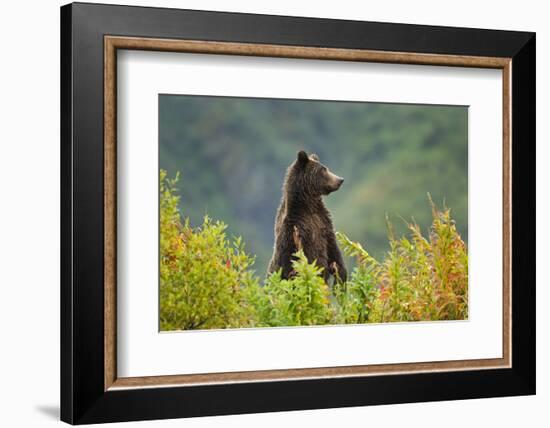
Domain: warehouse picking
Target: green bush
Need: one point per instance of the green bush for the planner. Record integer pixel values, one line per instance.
(302, 300)
(356, 297)
(207, 281)
(419, 280)
(202, 275)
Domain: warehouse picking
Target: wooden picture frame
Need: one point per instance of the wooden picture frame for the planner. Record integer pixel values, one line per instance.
(91, 390)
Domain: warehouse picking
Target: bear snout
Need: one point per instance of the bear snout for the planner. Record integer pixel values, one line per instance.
(339, 181)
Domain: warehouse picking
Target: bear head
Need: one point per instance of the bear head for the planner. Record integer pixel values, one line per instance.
(309, 177)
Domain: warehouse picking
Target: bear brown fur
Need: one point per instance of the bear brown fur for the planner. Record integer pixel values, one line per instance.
(303, 222)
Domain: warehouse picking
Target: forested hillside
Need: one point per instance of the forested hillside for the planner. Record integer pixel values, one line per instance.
(232, 155)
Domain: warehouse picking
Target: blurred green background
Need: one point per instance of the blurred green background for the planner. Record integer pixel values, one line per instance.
(232, 154)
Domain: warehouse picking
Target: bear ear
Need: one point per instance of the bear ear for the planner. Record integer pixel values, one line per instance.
(302, 157)
(314, 157)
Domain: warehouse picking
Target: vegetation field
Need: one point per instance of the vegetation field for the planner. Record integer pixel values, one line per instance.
(207, 279)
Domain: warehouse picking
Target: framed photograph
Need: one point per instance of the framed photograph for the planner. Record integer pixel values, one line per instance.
(265, 213)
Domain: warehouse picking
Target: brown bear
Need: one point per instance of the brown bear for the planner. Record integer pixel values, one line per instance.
(303, 221)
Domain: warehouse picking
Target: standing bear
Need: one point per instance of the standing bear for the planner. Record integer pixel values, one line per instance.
(303, 221)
